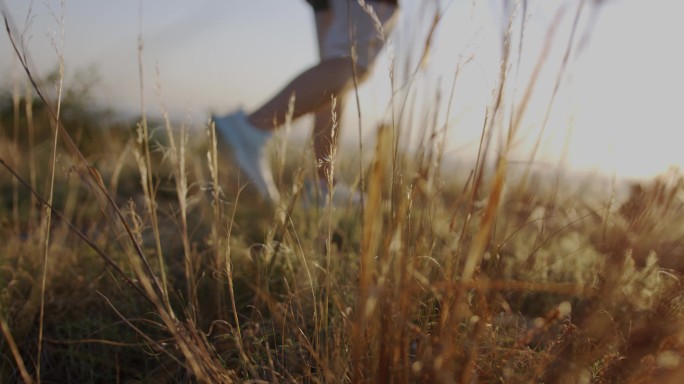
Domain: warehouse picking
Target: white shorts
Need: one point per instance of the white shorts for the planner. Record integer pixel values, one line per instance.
(334, 25)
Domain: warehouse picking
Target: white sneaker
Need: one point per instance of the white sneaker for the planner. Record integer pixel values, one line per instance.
(342, 194)
(248, 145)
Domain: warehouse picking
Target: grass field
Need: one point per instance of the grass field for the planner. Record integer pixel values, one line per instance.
(133, 252)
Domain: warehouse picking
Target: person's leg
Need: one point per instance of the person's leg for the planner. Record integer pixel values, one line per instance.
(312, 89)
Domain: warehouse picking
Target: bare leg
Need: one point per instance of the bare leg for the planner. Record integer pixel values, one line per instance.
(312, 89)
(324, 139)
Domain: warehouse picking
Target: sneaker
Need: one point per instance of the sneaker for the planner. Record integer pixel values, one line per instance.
(342, 194)
(248, 145)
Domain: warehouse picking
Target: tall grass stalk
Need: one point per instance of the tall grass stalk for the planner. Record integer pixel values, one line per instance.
(9, 339)
(176, 154)
(221, 245)
(16, 98)
(59, 48)
(31, 129)
(355, 84)
(282, 148)
(331, 161)
(145, 164)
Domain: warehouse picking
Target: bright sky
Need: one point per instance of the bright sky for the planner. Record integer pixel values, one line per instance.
(620, 97)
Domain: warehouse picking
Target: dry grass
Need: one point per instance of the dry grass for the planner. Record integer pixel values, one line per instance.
(162, 266)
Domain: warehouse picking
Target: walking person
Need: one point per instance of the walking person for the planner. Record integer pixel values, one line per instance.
(340, 25)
